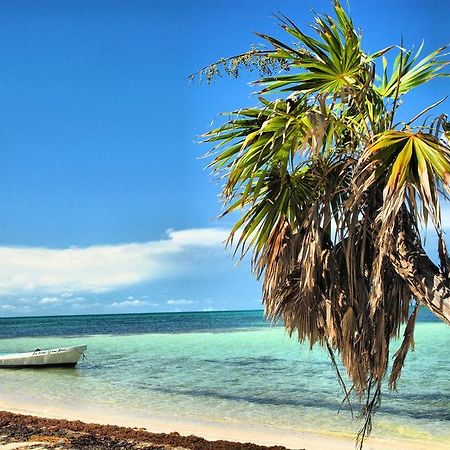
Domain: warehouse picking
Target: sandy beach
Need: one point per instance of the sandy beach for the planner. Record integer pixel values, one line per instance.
(69, 430)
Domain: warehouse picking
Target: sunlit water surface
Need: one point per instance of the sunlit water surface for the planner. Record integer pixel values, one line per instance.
(224, 367)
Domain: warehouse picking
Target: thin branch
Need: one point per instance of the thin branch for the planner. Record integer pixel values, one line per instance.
(358, 106)
(230, 58)
(340, 379)
(397, 90)
(370, 409)
(264, 60)
(428, 108)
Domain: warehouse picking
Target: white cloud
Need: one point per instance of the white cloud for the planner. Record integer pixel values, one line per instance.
(180, 302)
(28, 300)
(132, 303)
(8, 307)
(50, 301)
(75, 300)
(98, 269)
(90, 307)
(13, 309)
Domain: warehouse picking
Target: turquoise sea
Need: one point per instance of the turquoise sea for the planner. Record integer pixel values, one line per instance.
(221, 367)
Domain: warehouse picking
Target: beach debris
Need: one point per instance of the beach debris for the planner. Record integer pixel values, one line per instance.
(25, 432)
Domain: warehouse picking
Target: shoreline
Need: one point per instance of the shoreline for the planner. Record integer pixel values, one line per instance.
(192, 435)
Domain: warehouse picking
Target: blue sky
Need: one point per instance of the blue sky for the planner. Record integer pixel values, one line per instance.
(104, 202)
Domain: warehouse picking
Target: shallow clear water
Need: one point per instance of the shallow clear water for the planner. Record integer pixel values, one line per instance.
(228, 367)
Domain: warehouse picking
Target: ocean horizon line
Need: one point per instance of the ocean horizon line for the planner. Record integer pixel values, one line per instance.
(38, 316)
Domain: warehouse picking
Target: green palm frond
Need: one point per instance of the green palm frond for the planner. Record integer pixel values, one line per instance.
(328, 63)
(409, 71)
(415, 163)
(271, 199)
(282, 133)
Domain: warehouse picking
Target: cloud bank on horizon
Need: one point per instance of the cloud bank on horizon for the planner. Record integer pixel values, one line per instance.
(132, 277)
(42, 279)
(99, 269)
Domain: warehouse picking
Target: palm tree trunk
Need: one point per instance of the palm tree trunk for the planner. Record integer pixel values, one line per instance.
(426, 281)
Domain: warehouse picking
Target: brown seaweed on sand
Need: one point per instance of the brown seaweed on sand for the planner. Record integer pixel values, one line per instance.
(74, 435)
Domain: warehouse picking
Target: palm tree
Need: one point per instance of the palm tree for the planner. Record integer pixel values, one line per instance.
(333, 193)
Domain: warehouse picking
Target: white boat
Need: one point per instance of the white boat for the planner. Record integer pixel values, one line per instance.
(57, 357)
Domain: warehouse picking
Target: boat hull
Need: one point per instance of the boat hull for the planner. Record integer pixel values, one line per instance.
(36, 366)
(58, 357)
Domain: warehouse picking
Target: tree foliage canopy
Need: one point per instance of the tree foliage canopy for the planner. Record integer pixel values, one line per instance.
(333, 193)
